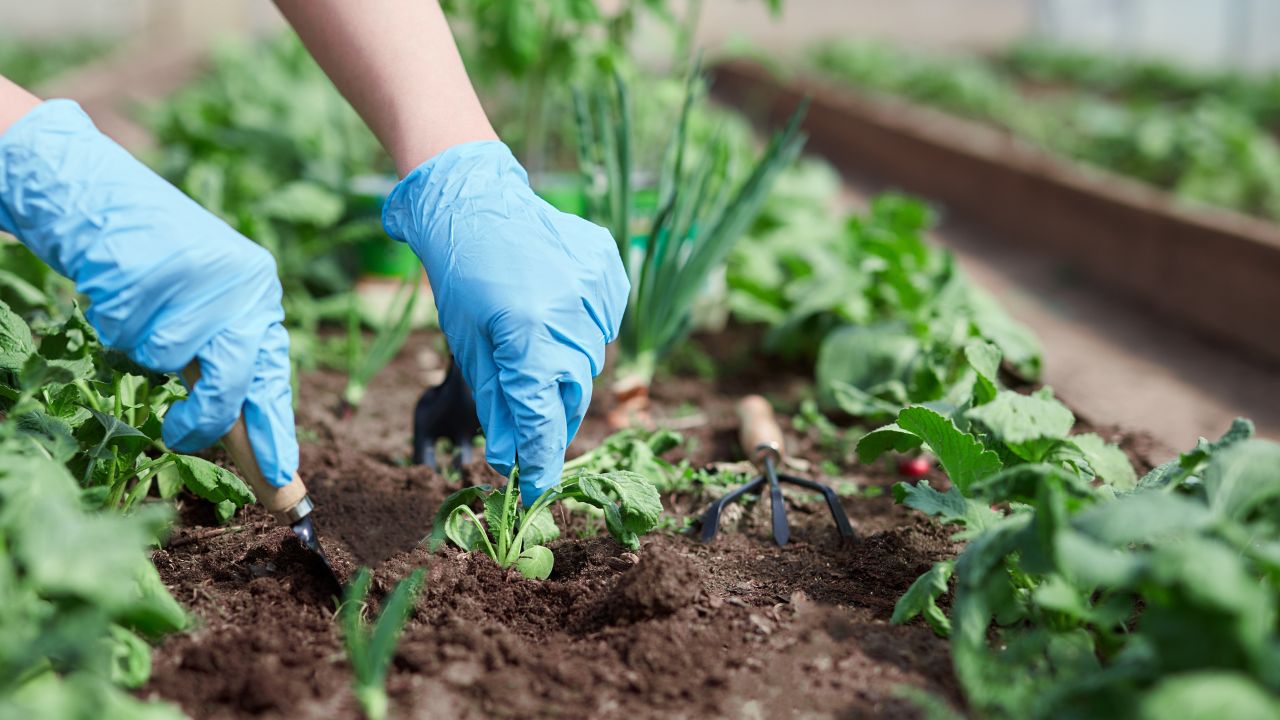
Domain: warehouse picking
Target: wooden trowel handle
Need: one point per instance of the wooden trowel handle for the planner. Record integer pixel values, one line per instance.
(288, 503)
(759, 433)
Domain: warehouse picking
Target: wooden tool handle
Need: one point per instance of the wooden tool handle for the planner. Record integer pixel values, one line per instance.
(283, 502)
(759, 431)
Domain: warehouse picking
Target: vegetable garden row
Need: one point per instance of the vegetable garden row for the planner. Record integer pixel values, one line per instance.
(1010, 561)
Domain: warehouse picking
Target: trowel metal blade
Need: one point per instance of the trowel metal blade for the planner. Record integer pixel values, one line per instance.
(305, 530)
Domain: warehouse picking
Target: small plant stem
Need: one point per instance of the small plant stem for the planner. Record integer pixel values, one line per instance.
(139, 490)
(115, 391)
(373, 699)
(117, 488)
(508, 495)
(151, 468)
(483, 535)
(89, 395)
(638, 369)
(165, 458)
(547, 498)
(583, 460)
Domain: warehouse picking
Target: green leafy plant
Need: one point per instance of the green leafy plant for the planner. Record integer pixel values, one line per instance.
(372, 645)
(1143, 80)
(887, 315)
(1081, 588)
(31, 63)
(100, 415)
(702, 210)
(514, 536)
(634, 449)
(639, 450)
(79, 594)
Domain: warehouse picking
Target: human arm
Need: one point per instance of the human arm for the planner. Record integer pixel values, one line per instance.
(528, 296)
(15, 102)
(397, 64)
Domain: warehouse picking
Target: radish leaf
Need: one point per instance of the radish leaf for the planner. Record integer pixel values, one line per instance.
(535, 562)
(963, 456)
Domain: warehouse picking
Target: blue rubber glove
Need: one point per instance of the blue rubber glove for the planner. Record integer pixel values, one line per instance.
(167, 281)
(528, 297)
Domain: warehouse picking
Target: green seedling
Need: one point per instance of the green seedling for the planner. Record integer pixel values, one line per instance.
(372, 645)
(366, 361)
(637, 450)
(516, 537)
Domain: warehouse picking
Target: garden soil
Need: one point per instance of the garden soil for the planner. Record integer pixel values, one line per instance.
(738, 628)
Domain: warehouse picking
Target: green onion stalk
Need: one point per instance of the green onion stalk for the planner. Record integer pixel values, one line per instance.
(702, 211)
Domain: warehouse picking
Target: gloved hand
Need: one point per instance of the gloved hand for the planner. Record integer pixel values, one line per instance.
(167, 280)
(528, 297)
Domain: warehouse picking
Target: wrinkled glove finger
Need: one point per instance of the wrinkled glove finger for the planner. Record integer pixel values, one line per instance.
(540, 432)
(575, 362)
(213, 404)
(546, 410)
(475, 360)
(268, 410)
(606, 303)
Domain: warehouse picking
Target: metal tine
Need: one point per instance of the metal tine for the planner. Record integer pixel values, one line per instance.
(711, 517)
(761, 433)
(833, 503)
(777, 508)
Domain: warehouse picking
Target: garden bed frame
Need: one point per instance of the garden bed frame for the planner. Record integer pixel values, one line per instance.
(1215, 271)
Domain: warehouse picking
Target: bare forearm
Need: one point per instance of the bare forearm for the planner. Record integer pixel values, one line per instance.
(14, 103)
(396, 62)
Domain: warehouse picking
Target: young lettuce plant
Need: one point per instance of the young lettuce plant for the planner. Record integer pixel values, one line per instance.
(372, 645)
(703, 209)
(513, 536)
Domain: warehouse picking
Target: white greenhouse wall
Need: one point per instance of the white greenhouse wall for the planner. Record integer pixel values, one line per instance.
(1207, 33)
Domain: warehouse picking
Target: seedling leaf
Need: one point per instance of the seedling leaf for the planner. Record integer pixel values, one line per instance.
(922, 599)
(1024, 483)
(540, 528)
(371, 646)
(1109, 462)
(984, 358)
(882, 440)
(535, 562)
(962, 456)
(463, 529)
(16, 344)
(1209, 695)
(631, 503)
(1242, 477)
(439, 525)
(1017, 419)
(950, 507)
(212, 482)
(1147, 516)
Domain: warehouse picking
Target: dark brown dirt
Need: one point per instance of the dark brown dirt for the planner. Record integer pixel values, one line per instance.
(739, 628)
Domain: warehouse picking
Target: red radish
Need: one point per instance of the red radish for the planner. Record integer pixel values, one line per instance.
(914, 467)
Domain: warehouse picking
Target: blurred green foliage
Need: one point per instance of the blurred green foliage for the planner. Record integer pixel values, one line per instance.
(1204, 142)
(29, 63)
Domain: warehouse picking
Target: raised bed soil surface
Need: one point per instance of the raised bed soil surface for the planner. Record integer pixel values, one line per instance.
(739, 628)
